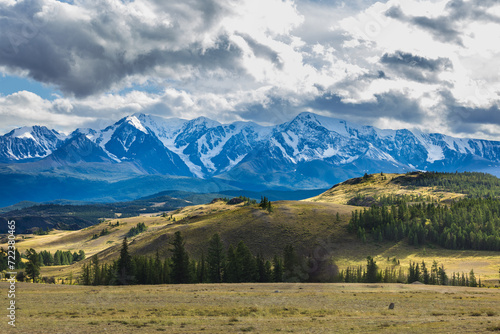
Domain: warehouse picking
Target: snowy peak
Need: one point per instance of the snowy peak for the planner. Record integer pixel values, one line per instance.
(205, 148)
(339, 126)
(136, 123)
(23, 132)
(29, 143)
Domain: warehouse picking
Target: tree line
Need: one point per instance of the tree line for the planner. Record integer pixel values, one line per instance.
(474, 184)
(436, 275)
(471, 223)
(60, 258)
(238, 264)
(219, 265)
(4, 260)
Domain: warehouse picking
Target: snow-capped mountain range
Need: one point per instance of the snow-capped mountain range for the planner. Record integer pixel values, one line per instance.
(310, 151)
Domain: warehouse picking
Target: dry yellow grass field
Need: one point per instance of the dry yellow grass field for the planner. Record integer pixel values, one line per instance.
(308, 225)
(379, 185)
(254, 308)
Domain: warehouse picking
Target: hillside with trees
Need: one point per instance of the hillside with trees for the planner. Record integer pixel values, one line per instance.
(400, 220)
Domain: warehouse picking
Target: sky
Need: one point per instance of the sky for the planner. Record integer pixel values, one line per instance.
(429, 65)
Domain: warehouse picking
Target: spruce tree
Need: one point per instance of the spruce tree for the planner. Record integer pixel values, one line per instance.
(231, 272)
(269, 207)
(201, 270)
(247, 265)
(33, 265)
(125, 272)
(215, 259)
(261, 269)
(371, 270)
(472, 279)
(268, 271)
(443, 278)
(18, 263)
(40, 259)
(292, 265)
(96, 270)
(277, 269)
(425, 274)
(180, 260)
(192, 277)
(167, 274)
(57, 258)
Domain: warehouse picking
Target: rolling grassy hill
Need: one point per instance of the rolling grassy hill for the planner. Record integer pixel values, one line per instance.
(317, 226)
(378, 185)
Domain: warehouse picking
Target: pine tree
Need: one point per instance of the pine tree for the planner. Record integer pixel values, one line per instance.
(86, 275)
(263, 202)
(261, 269)
(443, 278)
(57, 258)
(40, 260)
(268, 273)
(247, 265)
(158, 270)
(192, 271)
(269, 207)
(231, 272)
(293, 266)
(167, 275)
(64, 259)
(201, 270)
(81, 255)
(17, 263)
(371, 270)
(96, 270)
(33, 265)
(472, 279)
(277, 269)
(215, 259)
(125, 270)
(425, 274)
(180, 260)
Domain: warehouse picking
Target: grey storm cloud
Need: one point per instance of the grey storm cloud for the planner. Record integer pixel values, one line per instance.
(262, 51)
(407, 59)
(476, 10)
(414, 67)
(443, 28)
(84, 57)
(392, 105)
(468, 120)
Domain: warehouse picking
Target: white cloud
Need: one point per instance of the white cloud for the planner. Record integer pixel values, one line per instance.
(218, 57)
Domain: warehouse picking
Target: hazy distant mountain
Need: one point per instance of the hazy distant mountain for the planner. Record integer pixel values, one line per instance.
(310, 151)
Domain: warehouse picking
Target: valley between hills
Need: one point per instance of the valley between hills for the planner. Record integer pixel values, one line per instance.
(315, 225)
(319, 226)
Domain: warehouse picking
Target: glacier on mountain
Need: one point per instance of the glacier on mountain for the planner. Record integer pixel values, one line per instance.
(305, 150)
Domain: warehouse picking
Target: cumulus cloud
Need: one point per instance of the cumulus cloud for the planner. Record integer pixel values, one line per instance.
(25, 108)
(391, 63)
(91, 47)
